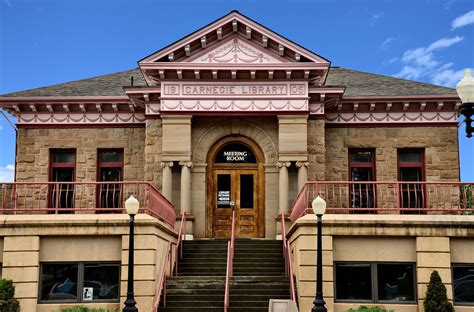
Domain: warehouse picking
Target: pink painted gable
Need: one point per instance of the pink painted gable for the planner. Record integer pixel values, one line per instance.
(236, 51)
(234, 23)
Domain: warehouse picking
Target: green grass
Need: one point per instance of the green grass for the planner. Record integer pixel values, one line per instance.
(369, 309)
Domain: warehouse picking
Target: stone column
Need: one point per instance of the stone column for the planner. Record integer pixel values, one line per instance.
(302, 173)
(186, 186)
(167, 185)
(21, 264)
(283, 186)
(433, 253)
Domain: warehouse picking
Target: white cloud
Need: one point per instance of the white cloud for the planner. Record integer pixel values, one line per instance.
(463, 20)
(444, 43)
(448, 77)
(375, 17)
(409, 72)
(422, 63)
(6, 173)
(386, 43)
(393, 60)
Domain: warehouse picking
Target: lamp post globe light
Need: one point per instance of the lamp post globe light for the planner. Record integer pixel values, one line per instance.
(465, 89)
(131, 207)
(319, 208)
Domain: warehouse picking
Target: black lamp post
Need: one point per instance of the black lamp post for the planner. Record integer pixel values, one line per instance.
(319, 208)
(131, 206)
(465, 89)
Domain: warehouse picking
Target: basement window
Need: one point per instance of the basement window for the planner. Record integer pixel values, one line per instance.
(375, 282)
(79, 282)
(463, 284)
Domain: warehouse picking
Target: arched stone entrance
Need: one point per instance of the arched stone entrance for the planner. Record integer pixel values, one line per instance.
(235, 179)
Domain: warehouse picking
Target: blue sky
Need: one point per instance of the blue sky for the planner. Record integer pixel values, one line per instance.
(44, 42)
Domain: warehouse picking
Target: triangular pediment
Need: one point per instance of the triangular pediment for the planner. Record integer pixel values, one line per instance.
(236, 51)
(211, 44)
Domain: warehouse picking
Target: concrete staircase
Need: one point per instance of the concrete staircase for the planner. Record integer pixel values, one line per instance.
(259, 270)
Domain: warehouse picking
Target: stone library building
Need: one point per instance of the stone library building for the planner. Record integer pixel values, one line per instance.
(225, 137)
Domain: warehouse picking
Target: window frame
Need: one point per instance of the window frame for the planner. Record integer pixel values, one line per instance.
(374, 282)
(357, 164)
(453, 265)
(103, 164)
(80, 282)
(421, 165)
(52, 165)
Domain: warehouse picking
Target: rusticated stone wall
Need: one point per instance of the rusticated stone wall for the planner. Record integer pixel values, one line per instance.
(316, 150)
(440, 144)
(34, 147)
(33, 158)
(153, 152)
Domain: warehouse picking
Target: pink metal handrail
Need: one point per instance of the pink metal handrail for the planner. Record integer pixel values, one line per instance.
(171, 263)
(162, 281)
(283, 239)
(287, 257)
(387, 197)
(179, 245)
(230, 263)
(83, 197)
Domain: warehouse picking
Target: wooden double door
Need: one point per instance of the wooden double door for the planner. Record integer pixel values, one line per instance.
(236, 189)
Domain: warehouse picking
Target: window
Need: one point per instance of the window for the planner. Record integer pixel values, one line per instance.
(79, 282)
(110, 169)
(62, 168)
(362, 168)
(375, 282)
(411, 169)
(354, 281)
(463, 283)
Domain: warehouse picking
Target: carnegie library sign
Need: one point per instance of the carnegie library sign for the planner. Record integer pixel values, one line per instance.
(233, 96)
(220, 89)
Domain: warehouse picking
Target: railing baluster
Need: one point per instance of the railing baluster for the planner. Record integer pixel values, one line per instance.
(3, 196)
(444, 198)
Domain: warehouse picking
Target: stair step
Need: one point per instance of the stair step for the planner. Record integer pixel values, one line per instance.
(218, 265)
(220, 297)
(213, 309)
(194, 303)
(237, 241)
(281, 291)
(237, 261)
(258, 276)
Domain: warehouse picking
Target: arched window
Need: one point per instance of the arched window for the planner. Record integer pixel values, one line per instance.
(235, 153)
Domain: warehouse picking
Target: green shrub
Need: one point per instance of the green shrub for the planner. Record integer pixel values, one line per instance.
(369, 309)
(436, 298)
(7, 293)
(467, 194)
(82, 309)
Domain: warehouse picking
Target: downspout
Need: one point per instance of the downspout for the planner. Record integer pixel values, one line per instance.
(16, 142)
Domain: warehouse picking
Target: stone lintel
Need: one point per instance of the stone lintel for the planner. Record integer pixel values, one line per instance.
(292, 157)
(292, 119)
